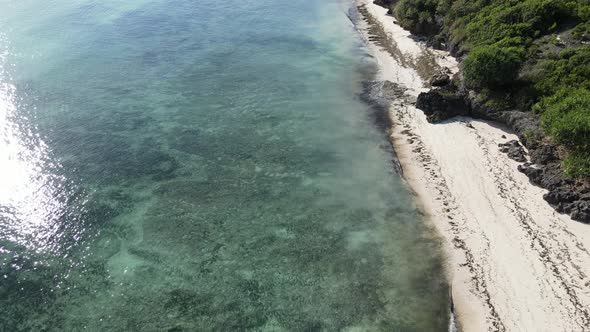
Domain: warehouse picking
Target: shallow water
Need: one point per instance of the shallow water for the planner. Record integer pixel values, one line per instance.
(200, 165)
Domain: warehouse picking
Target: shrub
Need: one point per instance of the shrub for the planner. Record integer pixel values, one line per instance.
(582, 31)
(570, 68)
(417, 15)
(583, 10)
(529, 135)
(577, 164)
(566, 117)
(489, 66)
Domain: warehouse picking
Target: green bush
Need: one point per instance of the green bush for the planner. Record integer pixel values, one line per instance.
(566, 117)
(583, 10)
(570, 68)
(474, 23)
(489, 66)
(582, 31)
(577, 164)
(417, 15)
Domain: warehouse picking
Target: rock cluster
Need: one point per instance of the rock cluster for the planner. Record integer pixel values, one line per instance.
(565, 194)
(514, 150)
(442, 78)
(442, 104)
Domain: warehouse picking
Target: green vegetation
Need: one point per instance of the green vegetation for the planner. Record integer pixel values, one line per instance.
(529, 135)
(569, 68)
(513, 49)
(482, 66)
(472, 23)
(566, 117)
(577, 164)
(516, 23)
(417, 14)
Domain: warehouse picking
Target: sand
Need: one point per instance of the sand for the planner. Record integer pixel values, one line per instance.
(514, 264)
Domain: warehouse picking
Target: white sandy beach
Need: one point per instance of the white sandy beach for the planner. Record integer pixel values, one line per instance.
(513, 262)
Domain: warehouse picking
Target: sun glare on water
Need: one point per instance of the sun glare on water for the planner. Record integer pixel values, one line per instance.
(32, 199)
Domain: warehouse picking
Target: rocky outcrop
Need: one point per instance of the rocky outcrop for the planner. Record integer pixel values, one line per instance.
(544, 154)
(442, 78)
(442, 104)
(514, 150)
(565, 194)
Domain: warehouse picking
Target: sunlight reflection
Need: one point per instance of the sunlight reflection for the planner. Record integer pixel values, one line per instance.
(30, 203)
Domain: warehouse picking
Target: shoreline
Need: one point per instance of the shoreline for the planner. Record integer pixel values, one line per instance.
(513, 263)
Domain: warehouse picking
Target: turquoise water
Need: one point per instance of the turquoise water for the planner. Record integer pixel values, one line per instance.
(200, 166)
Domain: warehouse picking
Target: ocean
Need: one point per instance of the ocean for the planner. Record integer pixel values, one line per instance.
(201, 166)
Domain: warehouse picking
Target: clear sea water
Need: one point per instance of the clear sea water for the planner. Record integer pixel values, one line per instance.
(201, 165)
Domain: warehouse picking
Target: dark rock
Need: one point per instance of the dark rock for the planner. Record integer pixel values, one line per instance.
(560, 196)
(454, 47)
(525, 124)
(553, 177)
(480, 110)
(580, 211)
(439, 105)
(564, 207)
(584, 191)
(440, 79)
(514, 150)
(386, 4)
(533, 172)
(436, 42)
(544, 154)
